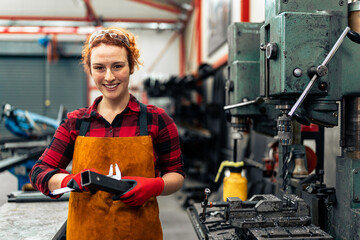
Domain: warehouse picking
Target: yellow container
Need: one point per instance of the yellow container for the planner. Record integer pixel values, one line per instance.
(235, 185)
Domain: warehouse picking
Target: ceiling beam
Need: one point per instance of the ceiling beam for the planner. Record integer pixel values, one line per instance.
(90, 13)
(83, 19)
(79, 29)
(164, 7)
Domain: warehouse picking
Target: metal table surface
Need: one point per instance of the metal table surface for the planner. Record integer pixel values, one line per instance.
(42, 220)
(32, 221)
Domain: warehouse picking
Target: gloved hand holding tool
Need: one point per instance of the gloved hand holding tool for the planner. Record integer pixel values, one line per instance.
(143, 189)
(74, 181)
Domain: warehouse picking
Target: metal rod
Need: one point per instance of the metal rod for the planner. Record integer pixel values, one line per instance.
(302, 96)
(325, 62)
(267, 77)
(7, 163)
(207, 192)
(239, 105)
(336, 46)
(235, 150)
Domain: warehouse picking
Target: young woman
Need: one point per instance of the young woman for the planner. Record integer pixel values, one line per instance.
(115, 129)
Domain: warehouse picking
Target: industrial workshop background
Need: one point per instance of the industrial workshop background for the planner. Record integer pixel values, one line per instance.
(200, 56)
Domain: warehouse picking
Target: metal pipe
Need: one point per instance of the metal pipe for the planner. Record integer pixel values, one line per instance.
(96, 181)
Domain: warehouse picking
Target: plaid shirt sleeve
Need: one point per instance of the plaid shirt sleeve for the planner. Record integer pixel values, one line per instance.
(167, 145)
(55, 158)
(59, 153)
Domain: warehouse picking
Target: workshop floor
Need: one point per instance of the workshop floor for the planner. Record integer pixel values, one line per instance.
(175, 222)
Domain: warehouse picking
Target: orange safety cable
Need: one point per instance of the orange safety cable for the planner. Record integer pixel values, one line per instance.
(191, 51)
(221, 61)
(182, 54)
(199, 29)
(52, 53)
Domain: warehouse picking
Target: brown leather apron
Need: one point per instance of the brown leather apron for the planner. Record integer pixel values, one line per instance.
(97, 216)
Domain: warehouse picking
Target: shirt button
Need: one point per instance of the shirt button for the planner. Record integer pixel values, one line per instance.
(110, 131)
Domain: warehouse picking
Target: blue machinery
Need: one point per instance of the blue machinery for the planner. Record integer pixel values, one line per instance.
(18, 156)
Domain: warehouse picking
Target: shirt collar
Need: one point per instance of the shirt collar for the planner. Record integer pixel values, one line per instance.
(133, 106)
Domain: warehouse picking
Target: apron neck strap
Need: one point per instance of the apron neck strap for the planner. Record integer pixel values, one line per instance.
(84, 127)
(143, 120)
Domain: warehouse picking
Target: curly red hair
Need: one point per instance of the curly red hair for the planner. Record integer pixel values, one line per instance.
(133, 53)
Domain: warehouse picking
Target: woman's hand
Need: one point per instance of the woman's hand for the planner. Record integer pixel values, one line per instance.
(74, 181)
(143, 189)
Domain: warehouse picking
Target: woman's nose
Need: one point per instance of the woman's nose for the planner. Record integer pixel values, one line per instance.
(109, 76)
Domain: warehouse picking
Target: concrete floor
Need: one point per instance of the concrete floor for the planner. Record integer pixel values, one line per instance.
(175, 222)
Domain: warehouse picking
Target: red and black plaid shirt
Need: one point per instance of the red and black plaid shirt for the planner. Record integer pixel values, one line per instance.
(162, 129)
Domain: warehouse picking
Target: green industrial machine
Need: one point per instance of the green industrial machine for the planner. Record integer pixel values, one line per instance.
(309, 70)
(296, 39)
(298, 67)
(243, 85)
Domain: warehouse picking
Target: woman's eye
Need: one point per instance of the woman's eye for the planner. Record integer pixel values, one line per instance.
(118, 66)
(98, 68)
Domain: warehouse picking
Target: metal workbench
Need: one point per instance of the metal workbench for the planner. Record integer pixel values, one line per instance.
(32, 220)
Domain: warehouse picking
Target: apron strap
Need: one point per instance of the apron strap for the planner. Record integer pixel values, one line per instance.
(143, 120)
(84, 127)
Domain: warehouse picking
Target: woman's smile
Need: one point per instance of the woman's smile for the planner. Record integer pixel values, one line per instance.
(111, 86)
(110, 72)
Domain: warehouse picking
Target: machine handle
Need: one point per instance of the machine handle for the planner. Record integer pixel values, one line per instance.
(258, 100)
(322, 70)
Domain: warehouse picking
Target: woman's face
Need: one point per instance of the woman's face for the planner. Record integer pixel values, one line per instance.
(110, 71)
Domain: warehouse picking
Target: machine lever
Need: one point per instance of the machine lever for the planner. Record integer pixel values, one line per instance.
(321, 70)
(258, 100)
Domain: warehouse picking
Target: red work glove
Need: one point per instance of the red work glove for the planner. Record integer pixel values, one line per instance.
(142, 190)
(74, 181)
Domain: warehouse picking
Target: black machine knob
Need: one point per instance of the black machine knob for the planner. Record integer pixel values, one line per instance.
(271, 50)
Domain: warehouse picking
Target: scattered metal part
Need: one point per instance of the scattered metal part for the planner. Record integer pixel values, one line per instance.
(207, 192)
(262, 217)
